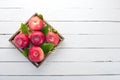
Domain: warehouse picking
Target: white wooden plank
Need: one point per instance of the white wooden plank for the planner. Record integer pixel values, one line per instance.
(91, 41)
(107, 28)
(67, 55)
(62, 14)
(60, 68)
(11, 55)
(79, 41)
(65, 4)
(9, 27)
(60, 77)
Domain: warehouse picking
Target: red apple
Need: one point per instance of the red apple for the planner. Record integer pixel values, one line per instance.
(37, 38)
(21, 40)
(52, 38)
(35, 23)
(36, 54)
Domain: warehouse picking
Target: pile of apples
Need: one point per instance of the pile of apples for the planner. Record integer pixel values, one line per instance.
(35, 39)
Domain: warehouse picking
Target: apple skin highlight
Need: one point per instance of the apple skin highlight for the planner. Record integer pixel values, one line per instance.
(52, 38)
(37, 38)
(35, 23)
(36, 54)
(21, 40)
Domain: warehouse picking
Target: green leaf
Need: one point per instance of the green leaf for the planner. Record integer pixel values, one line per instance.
(24, 28)
(46, 47)
(55, 31)
(25, 52)
(45, 29)
(40, 16)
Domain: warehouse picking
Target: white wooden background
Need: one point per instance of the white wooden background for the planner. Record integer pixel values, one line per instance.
(90, 51)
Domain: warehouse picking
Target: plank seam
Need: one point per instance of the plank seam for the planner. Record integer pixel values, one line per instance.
(109, 61)
(69, 21)
(70, 75)
(72, 48)
(11, 8)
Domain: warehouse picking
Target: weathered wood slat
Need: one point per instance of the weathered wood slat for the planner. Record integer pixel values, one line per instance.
(62, 14)
(106, 28)
(66, 3)
(67, 55)
(60, 77)
(60, 68)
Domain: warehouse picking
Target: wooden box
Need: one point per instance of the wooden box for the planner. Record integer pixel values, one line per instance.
(37, 64)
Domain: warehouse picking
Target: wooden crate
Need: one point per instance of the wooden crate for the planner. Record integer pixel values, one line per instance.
(37, 64)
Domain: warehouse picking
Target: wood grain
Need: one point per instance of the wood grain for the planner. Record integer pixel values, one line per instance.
(91, 48)
(78, 15)
(65, 4)
(60, 68)
(78, 28)
(66, 55)
(60, 77)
